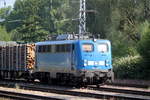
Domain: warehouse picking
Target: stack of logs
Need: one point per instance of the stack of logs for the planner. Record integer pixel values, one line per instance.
(17, 57)
(30, 56)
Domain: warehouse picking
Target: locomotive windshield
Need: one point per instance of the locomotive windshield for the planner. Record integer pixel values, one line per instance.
(87, 47)
(102, 48)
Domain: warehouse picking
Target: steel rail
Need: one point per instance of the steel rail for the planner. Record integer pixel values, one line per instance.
(118, 90)
(78, 93)
(19, 96)
(128, 85)
(93, 95)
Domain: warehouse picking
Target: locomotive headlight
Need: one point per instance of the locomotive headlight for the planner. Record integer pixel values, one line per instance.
(91, 63)
(85, 62)
(107, 62)
(101, 63)
(96, 63)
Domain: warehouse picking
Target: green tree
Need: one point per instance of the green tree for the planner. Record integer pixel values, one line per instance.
(4, 36)
(4, 12)
(126, 16)
(99, 17)
(32, 20)
(143, 45)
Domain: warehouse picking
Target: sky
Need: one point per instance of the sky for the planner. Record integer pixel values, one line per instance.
(8, 3)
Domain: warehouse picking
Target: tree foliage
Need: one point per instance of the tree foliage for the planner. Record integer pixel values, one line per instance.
(4, 12)
(4, 35)
(143, 45)
(33, 20)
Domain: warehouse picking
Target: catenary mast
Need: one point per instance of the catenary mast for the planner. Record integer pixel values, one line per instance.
(82, 17)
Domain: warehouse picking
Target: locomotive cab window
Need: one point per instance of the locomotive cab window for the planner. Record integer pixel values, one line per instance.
(103, 48)
(44, 48)
(87, 47)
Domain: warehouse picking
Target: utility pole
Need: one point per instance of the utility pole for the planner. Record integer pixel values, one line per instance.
(4, 3)
(82, 17)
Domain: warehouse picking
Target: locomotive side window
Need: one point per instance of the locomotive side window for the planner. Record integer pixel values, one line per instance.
(54, 48)
(87, 47)
(68, 47)
(58, 48)
(103, 48)
(49, 48)
(44, 48)
(40, 49)
(63, 48)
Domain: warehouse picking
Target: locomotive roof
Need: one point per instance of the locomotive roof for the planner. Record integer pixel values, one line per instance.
(64, 42)
(56, 42)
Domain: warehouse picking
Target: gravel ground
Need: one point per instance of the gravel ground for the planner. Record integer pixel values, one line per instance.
(1, 98)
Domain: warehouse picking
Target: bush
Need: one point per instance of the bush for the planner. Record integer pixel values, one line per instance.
(130, 67)
(135, 67)
(143, 45)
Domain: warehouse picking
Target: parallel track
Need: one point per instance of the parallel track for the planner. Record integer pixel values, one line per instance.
(21, 96)
(108, 89)
(86, 94)
(67, 91)
(128, 85)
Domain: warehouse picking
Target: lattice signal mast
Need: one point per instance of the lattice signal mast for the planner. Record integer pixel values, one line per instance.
(82, 17)
(4, 3)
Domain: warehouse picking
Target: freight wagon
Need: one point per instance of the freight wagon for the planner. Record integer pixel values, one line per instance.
(16, 59)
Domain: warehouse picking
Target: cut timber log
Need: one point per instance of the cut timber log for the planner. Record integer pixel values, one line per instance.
(30, 56)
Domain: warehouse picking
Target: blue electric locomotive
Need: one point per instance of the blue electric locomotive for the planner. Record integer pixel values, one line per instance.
(85, 61)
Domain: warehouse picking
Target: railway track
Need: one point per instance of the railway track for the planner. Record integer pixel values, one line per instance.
(105, 93)
(129, 85)
(23, 96)
(121, 90)
(90, 91)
